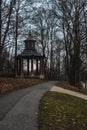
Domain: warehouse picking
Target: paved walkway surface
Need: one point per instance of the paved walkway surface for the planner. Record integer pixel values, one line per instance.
(61, 90)
(19, 109)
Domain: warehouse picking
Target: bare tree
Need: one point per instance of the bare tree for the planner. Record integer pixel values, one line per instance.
(0, 20)
(72, 20)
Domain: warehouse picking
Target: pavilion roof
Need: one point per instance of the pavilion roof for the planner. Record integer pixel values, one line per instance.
(30, 53)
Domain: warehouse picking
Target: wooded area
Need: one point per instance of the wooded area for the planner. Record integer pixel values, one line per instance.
(58, 26)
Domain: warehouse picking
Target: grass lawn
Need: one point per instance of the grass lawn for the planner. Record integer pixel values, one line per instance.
(66, 85)
(10, 84)
(62, 112)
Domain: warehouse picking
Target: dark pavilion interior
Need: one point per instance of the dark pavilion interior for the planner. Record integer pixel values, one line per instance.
(30, 63)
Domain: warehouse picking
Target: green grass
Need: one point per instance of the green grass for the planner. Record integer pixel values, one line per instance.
(62, 112)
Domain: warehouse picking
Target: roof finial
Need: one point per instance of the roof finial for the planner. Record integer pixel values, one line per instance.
(30, 37)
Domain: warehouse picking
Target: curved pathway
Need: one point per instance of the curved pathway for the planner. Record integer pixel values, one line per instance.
(19, 109)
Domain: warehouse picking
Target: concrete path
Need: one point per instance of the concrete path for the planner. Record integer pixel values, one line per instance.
(19, 109)
(61, 90)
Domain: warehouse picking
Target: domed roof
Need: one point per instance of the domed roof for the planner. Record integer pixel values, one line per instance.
(30, 53)
(30, 50)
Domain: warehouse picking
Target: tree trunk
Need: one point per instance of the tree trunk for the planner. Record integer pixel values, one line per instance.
(0, 24)
(16, 38)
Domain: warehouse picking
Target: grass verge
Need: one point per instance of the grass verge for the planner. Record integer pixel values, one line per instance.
(66, 85)
(62, 112)
(10, 84)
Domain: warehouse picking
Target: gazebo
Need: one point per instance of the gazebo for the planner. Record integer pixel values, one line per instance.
(30, 63)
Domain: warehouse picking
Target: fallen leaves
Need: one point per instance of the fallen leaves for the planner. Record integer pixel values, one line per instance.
(9, 84)
(66, 85)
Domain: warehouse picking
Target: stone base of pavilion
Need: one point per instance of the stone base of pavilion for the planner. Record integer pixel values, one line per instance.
(30, 76)
(42, 77)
